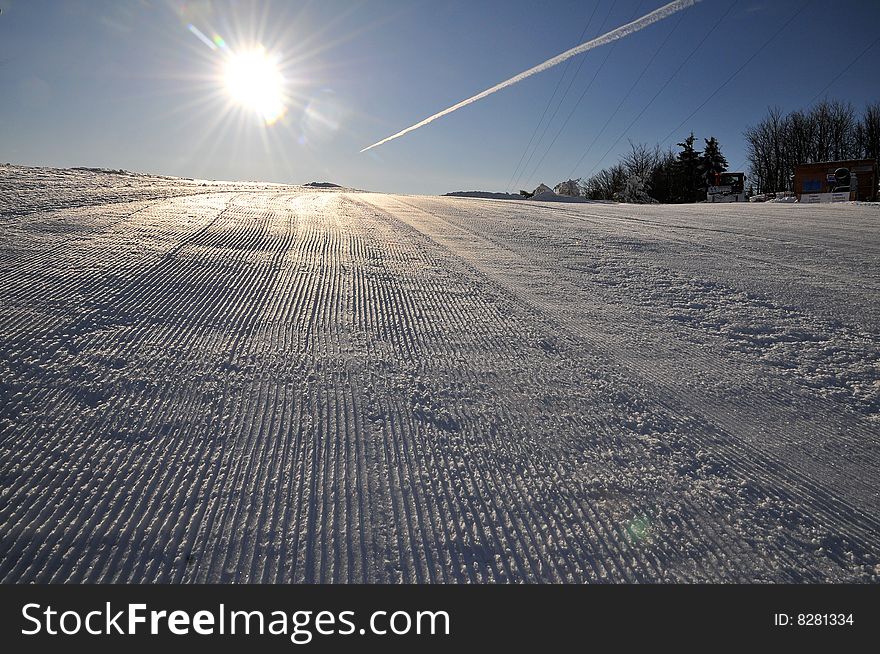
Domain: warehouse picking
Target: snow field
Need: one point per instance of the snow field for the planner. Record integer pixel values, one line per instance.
(255, 383)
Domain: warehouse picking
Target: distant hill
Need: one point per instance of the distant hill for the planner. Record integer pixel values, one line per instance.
(322, 185)
(484, 194)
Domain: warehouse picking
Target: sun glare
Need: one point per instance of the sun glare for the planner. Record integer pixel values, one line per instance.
(254, 81)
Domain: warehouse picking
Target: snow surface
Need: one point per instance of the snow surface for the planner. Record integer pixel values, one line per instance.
(254, 383)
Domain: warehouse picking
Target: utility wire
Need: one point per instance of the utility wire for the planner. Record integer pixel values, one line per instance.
(837, 77)
(550, 101)
(631, 89)
(740, 69)
(850, 65)
(562, 99)
(657, 94)
(580, 99)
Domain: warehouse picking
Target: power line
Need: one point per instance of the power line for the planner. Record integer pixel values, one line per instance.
(579, 100)
(562, 99)
(837, 77)
(740, 69)
(850, 65)
(571, 113)
(550, 101)
(631, 88)
(657, 94)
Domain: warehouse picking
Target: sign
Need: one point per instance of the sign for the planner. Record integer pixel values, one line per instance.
(814, 198)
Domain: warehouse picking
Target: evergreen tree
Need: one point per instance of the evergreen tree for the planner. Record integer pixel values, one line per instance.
(688, 170)
(711, 161)
(663, 178)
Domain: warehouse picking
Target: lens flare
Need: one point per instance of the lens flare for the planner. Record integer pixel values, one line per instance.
(639, 529)
(253, 80)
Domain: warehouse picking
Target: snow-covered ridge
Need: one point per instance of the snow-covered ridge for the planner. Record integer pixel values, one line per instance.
(29, 189)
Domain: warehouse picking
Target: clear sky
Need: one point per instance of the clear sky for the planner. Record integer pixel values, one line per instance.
(129, 84)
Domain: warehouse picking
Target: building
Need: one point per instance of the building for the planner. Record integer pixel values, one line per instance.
(836, 181)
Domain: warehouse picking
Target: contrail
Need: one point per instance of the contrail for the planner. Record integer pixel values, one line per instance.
(624, 30)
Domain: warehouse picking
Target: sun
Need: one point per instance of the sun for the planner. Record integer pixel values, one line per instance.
(254, 81)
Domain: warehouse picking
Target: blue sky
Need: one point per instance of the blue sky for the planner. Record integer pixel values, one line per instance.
(126, 84)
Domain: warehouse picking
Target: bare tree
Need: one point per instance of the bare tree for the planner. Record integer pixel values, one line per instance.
(829, 131)
(640, 160)
(606, 184)
(764, 149)
(868, 133)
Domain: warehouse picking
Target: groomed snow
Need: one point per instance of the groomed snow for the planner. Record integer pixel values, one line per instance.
(256, 383)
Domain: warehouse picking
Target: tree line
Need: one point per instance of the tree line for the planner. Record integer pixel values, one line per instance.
(830, 131)
(648, 174)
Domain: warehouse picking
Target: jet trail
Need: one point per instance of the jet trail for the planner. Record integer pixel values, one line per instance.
(624, 30)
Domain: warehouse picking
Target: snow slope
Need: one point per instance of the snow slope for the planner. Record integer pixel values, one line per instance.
(257, 383)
